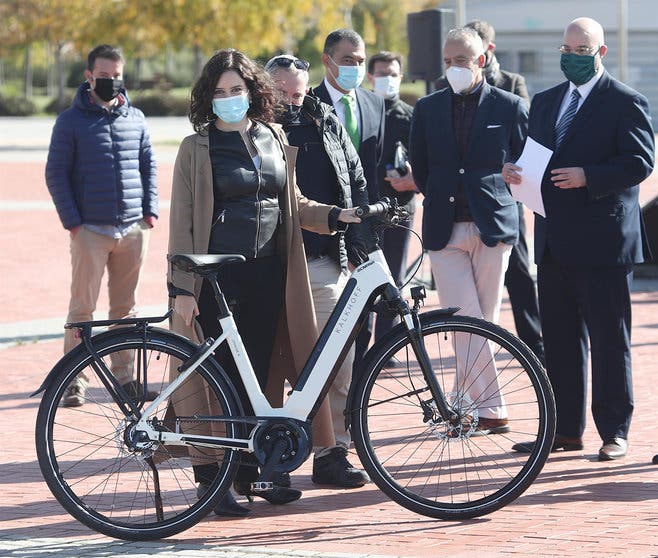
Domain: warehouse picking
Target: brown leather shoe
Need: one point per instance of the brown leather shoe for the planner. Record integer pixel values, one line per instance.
(488, 426)
(564, 443)
(614, 448)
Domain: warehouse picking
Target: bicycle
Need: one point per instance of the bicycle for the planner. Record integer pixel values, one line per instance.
(124, 466)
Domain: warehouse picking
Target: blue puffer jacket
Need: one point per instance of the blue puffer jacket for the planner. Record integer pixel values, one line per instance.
(100, 168)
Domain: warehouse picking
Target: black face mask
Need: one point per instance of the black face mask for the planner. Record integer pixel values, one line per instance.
(289, 114)
(108, 88)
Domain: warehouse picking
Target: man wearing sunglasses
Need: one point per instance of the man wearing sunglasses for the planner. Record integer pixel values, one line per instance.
(328, 170)
(600, 133)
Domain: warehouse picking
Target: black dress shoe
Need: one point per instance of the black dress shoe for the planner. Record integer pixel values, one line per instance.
(227, 506)
(614, 448)
(335, 470)
(276, 495)
(564, 443)
(655, 459)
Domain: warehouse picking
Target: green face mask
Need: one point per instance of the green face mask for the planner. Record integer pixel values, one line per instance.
(577, 69)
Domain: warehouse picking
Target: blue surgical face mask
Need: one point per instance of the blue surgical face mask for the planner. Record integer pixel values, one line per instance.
(231, 109)
(349, 77)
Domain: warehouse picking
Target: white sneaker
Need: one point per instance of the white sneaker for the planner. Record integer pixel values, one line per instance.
(74, 396)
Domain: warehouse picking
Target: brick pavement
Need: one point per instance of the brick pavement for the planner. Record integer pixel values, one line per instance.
(577, 506)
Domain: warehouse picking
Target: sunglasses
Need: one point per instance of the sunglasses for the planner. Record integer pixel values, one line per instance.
(287, 62)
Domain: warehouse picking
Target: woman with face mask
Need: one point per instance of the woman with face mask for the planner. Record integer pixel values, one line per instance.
(234, 193)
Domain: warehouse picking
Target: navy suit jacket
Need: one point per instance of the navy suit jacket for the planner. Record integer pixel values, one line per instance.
(371, 127)
(496, 137)
(611, 138)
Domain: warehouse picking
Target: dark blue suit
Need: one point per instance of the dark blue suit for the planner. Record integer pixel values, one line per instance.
(371, 129)
(585, 249)
(496, 137)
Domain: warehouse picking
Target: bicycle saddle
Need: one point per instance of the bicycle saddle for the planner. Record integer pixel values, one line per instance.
(203, 263)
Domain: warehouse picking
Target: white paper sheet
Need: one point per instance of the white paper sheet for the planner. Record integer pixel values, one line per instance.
(533, 161)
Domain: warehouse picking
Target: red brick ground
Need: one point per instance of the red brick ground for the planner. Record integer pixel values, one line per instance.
(577, 507)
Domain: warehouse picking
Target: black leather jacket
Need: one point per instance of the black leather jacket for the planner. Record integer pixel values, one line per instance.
(246, 214)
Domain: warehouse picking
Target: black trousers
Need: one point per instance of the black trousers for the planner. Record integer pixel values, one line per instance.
(577, 304)
(254, 290)
(522, 293)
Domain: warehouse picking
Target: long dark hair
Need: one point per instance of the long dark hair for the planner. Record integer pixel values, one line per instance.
(259, 84)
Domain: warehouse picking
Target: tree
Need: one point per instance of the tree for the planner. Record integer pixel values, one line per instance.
(19, 31)
(60, 22)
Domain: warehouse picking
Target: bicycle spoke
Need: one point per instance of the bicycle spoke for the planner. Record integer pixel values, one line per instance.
(101, 470)
(452, 468)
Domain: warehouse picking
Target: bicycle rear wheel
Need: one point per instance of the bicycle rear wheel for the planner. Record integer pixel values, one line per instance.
(103, 481)
(465, 469)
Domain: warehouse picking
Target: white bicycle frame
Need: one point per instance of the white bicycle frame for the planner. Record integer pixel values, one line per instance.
(334, 340)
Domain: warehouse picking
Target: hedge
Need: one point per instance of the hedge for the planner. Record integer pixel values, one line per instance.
(16, 106)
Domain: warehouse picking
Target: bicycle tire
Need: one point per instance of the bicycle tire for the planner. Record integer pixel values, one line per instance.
(90, 469)
(448, 471)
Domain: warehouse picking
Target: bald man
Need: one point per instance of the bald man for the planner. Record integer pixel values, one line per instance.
(603, 146)
(460, 137)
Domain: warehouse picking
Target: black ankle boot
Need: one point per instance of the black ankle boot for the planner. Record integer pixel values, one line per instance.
(227, 506)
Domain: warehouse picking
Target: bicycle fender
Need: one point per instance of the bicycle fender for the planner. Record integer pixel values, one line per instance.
(425, 316)
(54, 372)
(75, 353)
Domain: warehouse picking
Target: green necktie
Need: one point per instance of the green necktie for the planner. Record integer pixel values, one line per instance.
(350, 121)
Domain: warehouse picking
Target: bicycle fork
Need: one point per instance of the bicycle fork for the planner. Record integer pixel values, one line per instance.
(411, 320)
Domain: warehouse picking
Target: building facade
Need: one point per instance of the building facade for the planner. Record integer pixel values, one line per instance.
(529, 32)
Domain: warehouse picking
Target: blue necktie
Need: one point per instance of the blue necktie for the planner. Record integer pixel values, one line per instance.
(563, 125)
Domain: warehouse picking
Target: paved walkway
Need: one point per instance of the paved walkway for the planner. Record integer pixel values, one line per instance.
(577, 507)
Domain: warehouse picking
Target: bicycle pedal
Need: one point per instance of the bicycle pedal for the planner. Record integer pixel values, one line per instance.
(261, 486)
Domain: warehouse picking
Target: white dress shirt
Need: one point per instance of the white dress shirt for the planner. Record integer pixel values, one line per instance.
(585, 89)
(339, 107)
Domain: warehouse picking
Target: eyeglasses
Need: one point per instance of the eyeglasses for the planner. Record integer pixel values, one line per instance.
(580, 51)
(285, 62)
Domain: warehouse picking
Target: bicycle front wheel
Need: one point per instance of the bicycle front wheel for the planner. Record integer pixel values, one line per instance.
(106, 482)
(459, 469)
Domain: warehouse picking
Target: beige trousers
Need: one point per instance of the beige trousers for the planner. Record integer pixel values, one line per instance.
(469, 274)
(327, 284)
(91, 253)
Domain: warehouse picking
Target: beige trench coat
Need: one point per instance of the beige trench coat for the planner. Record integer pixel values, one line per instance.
(189, 233)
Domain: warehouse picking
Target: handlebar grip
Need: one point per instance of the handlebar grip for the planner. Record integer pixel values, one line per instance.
(380, 208)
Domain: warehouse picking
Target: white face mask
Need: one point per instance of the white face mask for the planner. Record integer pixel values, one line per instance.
(459, 79)
(387, 86)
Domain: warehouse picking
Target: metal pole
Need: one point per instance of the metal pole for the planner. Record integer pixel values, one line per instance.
(460, 13)
(622, 39)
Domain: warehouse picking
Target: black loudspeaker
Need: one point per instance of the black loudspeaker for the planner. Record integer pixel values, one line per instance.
(426, 32)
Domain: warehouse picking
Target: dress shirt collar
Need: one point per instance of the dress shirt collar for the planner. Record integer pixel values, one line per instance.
(336, 95)
(586, 88)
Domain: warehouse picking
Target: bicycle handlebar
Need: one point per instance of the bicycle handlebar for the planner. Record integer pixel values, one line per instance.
(382, 207)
